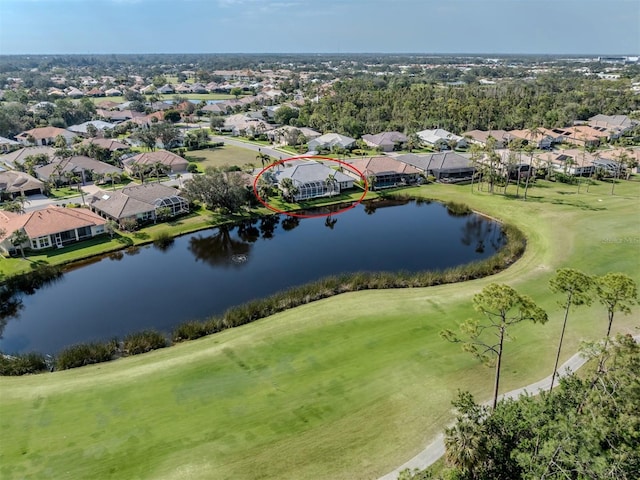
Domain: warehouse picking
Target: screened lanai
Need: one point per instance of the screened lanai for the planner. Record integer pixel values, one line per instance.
(176, 203)
(313, 189)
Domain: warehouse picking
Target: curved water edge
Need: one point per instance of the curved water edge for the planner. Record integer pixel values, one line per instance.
(345, 282)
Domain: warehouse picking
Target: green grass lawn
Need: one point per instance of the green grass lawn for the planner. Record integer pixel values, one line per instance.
(223, 156)
(83, 251)
(345, 388)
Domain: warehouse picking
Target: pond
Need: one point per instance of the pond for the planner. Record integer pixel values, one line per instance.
(203, 274)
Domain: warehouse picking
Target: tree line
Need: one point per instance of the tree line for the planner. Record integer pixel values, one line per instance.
(375, 104)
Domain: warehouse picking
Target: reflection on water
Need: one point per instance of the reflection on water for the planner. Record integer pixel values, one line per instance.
(13, 290)
(205, 273)
(220, 248)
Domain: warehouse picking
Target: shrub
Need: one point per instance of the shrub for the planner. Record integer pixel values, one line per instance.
(22, 364)
(129, 224)
(189, 331)
(457, 209)
(86, 354)
(163, 240)
(192, 168)
(142, 342)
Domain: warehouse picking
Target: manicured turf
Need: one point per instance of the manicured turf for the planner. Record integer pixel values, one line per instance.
(223, 156)
(344, 388)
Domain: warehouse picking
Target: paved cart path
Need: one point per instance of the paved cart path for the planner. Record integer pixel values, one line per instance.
(435, 449)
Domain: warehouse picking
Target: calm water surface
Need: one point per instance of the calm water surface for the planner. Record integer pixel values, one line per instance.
(205, 273)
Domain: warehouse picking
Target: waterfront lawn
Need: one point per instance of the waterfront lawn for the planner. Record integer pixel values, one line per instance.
(194, 221)
(348, 387)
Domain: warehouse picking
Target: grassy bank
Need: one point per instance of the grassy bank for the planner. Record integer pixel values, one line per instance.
(347, 387)
(193, 222)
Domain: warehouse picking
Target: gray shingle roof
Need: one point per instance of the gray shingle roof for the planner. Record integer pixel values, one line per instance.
(437, 162)
(307, 172)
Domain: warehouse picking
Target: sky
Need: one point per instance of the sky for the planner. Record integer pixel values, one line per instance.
(576, 27)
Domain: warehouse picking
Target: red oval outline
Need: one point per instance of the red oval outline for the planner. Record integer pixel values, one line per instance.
(300, 215)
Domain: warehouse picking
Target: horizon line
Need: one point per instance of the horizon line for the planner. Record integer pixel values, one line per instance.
(446, 54)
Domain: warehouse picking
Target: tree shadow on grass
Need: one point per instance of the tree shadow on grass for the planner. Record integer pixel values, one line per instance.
(571, 201)
(141, 236)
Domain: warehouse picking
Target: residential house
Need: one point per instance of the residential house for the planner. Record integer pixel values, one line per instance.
(198, 88)
(446, 167)
(113, 92)
(585, 136)
(50, 227)
(138, 202)
(82, 128)
(118, 116)
(14, 183)
(286, 133)
(173, 163)
(95, 92)
(61, 169)
(386, 141)
(570, 161)
(243, 124)
(615, 125)
(536, 138)
(44, 136)
(632, 153)
(557, 135)
(74, 92)
(612, 161)
(106, 143)
(441, 139)
(18, 157)
(7, 145)
(310, 179)
(41, 107)
(384, 172)
(480, 137)
(165, 89)
(149, 89)
(107, 105)
(331, 140)
(215, 108)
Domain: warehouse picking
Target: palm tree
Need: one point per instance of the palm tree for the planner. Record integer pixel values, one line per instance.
(57, 174)
(330, 182)
(371, 180)
(18, 239)
(138, 170)
(159, 168)
(73, 177)
(16, 205)
(112, 176)
(476, 155)
(622, 158)
(464, 446)
(289, 190)
(263, 158)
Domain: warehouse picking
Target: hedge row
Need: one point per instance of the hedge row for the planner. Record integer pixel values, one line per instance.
(335, 285)
(22, 364)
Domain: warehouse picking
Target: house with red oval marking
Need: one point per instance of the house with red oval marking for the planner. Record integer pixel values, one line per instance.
(313, 180)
